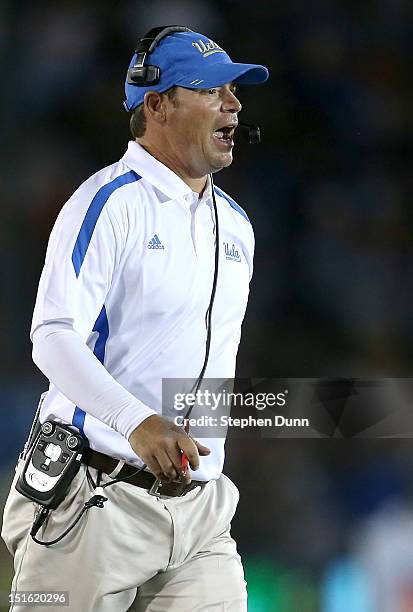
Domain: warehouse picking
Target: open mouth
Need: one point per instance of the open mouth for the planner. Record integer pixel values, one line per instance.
(225, 135)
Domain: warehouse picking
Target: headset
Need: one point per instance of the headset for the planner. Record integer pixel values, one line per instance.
(145, 75)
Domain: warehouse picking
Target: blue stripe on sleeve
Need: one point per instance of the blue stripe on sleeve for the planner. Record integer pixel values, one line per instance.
(78, 419)
(101, 326)
(232, 203)
(92, 215)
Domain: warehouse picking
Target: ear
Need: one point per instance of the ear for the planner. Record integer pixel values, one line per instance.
(155, 105)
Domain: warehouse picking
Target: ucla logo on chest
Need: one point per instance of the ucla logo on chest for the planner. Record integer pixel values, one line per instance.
(231, 253)
(207, 48)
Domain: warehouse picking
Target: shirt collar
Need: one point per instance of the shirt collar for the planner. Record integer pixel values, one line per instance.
(207, 195)
(159, 175)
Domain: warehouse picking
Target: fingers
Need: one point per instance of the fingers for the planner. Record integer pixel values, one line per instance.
(168, 464)
(189, 447)
(169, 469)
(154, 467)
(162, 467)
(202, 450)
(160, 445)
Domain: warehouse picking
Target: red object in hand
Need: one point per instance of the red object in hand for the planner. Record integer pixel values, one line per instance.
(184, 463)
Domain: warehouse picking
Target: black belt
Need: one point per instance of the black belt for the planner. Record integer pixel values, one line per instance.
(143, 479)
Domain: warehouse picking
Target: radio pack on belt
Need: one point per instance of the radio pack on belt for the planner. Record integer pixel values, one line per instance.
(51, 463)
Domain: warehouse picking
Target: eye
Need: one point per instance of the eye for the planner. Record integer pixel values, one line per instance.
(211, 92)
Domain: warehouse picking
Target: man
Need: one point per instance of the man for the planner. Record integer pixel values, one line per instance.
(128, 281)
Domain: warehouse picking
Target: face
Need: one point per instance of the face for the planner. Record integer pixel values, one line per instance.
(201, 125)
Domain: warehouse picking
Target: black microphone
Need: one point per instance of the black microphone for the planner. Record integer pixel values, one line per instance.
(254, 133)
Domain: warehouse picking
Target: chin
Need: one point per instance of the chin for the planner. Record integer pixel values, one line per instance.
(221, 162)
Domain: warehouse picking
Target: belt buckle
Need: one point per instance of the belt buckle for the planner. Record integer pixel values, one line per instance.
(154, 489)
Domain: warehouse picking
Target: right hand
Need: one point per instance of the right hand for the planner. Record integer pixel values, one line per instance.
(160, 443)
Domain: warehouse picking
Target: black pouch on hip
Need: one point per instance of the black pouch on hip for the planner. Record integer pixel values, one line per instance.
(52, 459)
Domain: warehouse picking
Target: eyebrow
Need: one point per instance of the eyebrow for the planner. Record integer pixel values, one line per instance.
(232, 86)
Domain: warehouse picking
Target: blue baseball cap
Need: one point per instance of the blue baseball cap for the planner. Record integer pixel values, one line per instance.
(191, 60)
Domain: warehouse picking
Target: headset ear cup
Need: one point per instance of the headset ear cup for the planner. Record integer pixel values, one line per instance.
(135, 75)
(145, 76)
(148, 75)
(152, 75)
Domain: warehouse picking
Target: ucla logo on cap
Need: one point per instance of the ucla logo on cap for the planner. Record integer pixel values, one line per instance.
(207, 48)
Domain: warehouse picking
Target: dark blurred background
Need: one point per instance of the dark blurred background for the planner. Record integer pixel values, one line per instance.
(322, 524)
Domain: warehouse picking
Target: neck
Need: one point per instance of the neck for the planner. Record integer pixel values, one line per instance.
(197, 184)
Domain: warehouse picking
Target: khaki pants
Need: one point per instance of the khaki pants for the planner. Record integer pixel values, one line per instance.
(138, 553)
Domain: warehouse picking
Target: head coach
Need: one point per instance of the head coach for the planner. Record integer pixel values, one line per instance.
(146, 278)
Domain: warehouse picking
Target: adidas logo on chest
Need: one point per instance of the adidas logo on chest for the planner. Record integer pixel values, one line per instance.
(155, 243)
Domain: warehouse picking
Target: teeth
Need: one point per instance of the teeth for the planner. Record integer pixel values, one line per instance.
(219, 134)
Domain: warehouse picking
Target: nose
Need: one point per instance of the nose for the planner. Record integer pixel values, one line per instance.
(230, 103)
